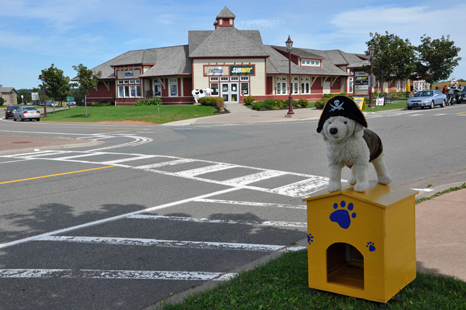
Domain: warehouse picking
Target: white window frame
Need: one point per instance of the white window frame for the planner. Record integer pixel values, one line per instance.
(234, 78)
(244, 78)
(214, 78)
(224, 78)
(172, 82)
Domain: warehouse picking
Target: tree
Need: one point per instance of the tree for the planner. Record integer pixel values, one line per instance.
(436, 59)
(2, 101)
(27, 97)
(56, 84)
(394, 58)
(87, 80)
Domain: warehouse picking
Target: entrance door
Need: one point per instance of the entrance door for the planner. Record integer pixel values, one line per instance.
(230, 92)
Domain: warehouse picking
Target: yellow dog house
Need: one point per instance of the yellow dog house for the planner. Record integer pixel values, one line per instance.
(362, 244)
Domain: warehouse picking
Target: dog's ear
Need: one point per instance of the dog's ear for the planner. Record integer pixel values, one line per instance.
(358, 130)
(324, 136)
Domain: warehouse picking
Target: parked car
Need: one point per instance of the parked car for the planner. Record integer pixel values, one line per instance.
(51, 104)
(71, 103)
(40, 103)
(426, 98)
(23, 113)
(9, 111)
(462, 96)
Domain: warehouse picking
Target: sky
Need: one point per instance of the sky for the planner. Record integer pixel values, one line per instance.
(36, 34)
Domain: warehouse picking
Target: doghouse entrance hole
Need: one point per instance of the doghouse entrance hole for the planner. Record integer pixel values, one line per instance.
(345, 265)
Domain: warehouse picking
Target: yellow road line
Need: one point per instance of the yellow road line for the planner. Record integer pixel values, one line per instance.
(460, 112)
(54, 175)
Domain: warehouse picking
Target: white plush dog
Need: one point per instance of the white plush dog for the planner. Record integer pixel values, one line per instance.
(350, 144)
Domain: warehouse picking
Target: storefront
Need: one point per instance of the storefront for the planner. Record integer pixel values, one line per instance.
(233, 63)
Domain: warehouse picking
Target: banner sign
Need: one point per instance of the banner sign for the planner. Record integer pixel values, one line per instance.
(71, 98)
(35, 96)
(245, 70)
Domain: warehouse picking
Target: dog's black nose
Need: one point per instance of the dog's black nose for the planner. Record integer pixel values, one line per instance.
(333, 131)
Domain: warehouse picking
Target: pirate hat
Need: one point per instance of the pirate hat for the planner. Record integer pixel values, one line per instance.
(341, 106)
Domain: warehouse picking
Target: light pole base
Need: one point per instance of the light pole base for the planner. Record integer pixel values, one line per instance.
(289, 115)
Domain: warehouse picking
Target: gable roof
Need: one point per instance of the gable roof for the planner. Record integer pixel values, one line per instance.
(225, 12)
(7, 90)
(171, 61)
(279, 62)
(229, 42)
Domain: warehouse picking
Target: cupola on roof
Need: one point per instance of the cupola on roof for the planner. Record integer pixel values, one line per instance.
(225, 18)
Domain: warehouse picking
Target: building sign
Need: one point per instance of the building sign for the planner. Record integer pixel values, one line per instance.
(35, 96)
(361, 82)
(129, 74)
(132, 74)
(244, 70)
(217, 70)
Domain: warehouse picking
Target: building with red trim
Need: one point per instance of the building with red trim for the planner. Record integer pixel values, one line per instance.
(233, 63)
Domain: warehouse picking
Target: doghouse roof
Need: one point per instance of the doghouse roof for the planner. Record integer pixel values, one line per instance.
(379, 195)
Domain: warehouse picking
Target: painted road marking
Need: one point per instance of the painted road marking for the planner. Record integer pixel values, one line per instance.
(247, 203)
(169, 243)
(298, 189)
(58, 174)
(115, 274)
(213, 221)
(114, 218)
(204, 170)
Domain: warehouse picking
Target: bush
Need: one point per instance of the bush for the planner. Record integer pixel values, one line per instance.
(249, 99)
(303, 102)
(211, 101)
(153, 101)
(2, 101)
(220, 103)
(275, 104)
(102, 104)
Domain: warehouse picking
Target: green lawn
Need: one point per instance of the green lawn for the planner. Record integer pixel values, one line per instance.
(397, 104)
(283, 284)
(151, 114)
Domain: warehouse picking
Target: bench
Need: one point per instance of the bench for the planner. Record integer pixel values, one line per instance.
(388, 98)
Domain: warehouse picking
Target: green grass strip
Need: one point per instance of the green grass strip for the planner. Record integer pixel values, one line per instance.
(451, 189)
(151, 114)
(283, 284)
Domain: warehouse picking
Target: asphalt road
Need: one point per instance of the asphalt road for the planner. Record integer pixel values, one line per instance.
(157, 210)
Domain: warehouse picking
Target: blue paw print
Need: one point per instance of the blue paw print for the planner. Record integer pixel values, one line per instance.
(342, 216)
(310, 238)
(371, 246)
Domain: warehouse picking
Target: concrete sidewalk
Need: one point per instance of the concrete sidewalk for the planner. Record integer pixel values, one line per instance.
(440, 231)
(239, 114)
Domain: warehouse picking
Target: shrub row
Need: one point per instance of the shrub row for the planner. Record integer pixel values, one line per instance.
(213, 101)
(102, 104)
(277, 104)
(152, 101)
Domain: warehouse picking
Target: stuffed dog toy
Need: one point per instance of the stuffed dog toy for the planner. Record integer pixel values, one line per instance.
(342, 126)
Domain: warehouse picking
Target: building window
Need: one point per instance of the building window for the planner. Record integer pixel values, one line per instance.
(214, 87)
(120, 82)
(157, 88)
(245, 78)
(214, 78)
(138, 91)
(131, 81)
(121, 93)
(295, 88)
(245, 89)
(234, 78)
(173, 87)
(137, 82)
(310, 62)
(224, 78)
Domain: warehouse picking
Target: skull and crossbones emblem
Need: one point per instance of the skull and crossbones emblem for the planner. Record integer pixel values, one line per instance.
(337, 106)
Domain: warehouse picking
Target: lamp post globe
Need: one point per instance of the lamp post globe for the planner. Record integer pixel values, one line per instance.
(289, 47)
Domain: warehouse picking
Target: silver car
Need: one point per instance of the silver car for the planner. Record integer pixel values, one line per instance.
(26, 113)
(427, 98)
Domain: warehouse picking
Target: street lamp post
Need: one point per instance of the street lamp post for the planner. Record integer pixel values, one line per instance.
(289, 46)
(43, 92)
(371, 53)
